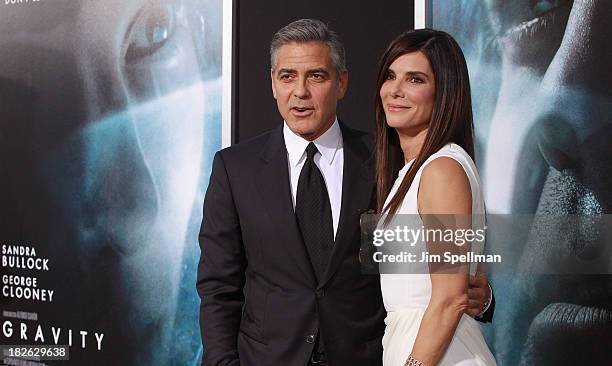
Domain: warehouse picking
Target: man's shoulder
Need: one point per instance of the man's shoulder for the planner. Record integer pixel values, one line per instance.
(251, 147)
(347, 129)
(363, 138)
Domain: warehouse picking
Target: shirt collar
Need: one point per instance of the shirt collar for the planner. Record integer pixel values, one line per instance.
(327, 144)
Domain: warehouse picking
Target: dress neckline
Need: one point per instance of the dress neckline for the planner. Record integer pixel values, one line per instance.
(409, 163)
(406, 166)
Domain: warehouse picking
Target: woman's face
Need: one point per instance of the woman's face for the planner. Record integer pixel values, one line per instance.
(123, 121)
(407, 95)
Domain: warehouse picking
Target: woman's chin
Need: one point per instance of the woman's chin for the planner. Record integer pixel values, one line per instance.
(399, 124)
(408, 128)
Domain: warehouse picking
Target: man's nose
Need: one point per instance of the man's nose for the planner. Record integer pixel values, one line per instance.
(575, 88)
(583, 51)
(301, 89)
(573, 128)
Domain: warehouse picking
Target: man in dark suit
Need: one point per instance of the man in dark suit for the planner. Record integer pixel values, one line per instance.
(279, 276)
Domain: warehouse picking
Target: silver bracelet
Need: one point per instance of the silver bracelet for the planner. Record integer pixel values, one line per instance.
(411, 361)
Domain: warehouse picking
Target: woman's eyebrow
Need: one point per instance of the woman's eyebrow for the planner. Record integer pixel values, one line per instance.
(411, 73)
(417, 73)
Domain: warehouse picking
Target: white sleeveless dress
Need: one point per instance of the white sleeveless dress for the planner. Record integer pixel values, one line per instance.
(406, 296)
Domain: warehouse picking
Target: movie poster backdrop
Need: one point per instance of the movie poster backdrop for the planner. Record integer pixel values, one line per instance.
(541, 89)
(110, 113)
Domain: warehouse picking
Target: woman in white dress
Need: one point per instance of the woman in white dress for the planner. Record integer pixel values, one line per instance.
(425, 150)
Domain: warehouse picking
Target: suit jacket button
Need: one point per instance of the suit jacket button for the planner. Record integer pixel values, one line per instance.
(310, 339)
(320, 293)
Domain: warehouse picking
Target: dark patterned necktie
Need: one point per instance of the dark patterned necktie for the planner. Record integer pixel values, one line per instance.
(313, 212)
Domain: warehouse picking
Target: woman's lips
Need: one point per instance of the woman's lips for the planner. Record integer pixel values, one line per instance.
(396, 108)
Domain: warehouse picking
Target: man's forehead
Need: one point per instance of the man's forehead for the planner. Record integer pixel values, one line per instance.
(304, 56)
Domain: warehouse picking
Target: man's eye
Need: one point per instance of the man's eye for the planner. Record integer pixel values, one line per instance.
(541, 7)
(286, 77)
(318, 76)
(151, 31)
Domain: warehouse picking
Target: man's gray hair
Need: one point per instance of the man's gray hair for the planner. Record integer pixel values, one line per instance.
(309, 30)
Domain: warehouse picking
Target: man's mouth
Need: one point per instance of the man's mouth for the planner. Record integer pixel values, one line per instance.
(302, 111)
(577, 333)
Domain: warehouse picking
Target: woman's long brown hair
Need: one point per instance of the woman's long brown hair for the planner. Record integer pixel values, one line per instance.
(451, 119)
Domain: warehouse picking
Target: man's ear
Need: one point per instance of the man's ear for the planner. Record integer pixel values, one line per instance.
(272, 81)
(342, 84)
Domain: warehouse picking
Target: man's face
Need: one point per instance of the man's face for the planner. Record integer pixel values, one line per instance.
(306, 87)
(547, 152)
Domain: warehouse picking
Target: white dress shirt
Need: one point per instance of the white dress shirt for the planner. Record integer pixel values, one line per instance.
(330, 162)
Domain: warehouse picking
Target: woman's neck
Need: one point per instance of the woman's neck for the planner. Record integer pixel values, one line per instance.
(411, 142)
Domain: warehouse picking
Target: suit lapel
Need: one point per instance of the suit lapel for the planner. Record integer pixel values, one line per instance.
(273, 183)
(357, 185)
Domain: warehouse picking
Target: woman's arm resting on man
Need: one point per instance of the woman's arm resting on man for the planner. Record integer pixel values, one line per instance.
(444, 190)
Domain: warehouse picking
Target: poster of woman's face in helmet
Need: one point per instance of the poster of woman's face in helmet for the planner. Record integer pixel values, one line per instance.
(110, 114)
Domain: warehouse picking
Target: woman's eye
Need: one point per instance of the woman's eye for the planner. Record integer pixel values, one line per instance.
(389, 77)
(416, 80)
(151, 31)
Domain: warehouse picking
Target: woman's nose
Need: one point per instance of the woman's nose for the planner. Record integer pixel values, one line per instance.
(396, 89)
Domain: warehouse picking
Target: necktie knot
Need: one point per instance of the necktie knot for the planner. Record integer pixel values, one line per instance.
(311, 150)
